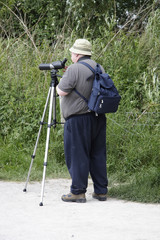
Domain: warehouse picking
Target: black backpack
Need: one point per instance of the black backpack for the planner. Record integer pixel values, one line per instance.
(104, 97)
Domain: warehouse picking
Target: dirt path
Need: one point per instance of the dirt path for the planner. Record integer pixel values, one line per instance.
(21, 217)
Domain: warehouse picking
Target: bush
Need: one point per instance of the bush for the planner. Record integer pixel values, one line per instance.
(132, 133)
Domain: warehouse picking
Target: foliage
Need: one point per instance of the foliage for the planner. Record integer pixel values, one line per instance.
(16, 160)
(133, 142)
(133, 62)
(143, 187)
(51, 19)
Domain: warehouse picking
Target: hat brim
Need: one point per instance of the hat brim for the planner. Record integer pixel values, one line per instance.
(78, 51)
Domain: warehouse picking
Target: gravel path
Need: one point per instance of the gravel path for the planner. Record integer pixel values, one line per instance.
(21, 217)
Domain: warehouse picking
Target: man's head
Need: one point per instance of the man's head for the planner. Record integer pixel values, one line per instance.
(80, 48)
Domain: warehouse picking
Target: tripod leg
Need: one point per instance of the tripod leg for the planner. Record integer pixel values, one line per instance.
(35, 148)
(47, 143)
(54, 108)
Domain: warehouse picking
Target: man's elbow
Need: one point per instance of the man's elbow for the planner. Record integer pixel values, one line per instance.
(60, 92)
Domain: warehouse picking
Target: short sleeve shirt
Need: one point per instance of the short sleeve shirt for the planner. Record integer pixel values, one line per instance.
(80, 77)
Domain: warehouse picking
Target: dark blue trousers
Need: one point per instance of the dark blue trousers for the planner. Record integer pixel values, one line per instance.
(85, 152)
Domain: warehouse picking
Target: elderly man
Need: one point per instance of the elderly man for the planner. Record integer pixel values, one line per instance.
(84, 131)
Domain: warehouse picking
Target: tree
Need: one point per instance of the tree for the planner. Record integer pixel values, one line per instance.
(48, 19)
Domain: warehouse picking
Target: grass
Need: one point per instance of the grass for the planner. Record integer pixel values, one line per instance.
(144, 187)
(133, 159)
(132, 133)
(15, 161)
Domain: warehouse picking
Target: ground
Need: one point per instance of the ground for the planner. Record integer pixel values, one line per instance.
(21, 217)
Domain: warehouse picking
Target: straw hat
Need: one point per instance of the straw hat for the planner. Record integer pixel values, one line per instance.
(81, 46)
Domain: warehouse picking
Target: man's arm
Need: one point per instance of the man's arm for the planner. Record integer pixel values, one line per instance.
(60, 92)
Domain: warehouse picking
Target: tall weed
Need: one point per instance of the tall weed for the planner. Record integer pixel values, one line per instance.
(132, 133)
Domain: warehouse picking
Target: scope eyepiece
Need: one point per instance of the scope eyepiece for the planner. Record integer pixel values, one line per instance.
(53, 65)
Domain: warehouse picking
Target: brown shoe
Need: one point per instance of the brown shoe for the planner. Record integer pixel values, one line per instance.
(80, 198)
(100, 197)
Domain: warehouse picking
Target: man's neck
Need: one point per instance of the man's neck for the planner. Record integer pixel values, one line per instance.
(83, 58)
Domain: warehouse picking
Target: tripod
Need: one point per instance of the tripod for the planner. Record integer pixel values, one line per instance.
(52, 110)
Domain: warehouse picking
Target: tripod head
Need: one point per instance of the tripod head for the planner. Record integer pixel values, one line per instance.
(54, 65)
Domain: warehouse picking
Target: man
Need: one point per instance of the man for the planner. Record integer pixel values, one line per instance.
(84, 132)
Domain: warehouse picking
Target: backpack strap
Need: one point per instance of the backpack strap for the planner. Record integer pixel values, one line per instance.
(87, 65)
(85, 99)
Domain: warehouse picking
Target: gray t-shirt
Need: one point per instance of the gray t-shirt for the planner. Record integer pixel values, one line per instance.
(80, 77)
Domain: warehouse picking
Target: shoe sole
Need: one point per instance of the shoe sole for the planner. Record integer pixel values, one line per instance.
(74, 200)
(100, 198)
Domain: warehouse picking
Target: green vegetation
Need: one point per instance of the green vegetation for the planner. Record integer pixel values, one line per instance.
(129, 54)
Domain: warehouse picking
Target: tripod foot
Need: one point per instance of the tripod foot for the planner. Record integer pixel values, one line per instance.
(24, 190)
(41, 204)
